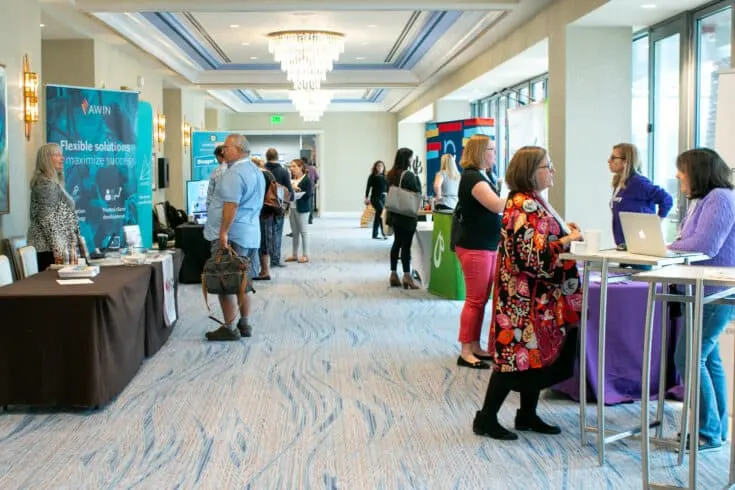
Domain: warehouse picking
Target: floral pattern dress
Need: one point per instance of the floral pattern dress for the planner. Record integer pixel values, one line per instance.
(537, 297)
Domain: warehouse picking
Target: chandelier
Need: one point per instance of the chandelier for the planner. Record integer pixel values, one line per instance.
(311, 104)
(306, 56)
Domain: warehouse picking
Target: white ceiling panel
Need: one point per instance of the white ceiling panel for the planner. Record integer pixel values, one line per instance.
(369, 36)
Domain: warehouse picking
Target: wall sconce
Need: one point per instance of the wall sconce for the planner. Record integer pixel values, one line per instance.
(159, 128)
(30, 96)
(187, 135)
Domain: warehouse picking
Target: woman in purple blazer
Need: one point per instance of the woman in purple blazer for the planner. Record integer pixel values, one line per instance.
(709, 228)
(632, 191)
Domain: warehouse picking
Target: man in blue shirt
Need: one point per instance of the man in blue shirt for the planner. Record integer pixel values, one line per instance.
(234, 221)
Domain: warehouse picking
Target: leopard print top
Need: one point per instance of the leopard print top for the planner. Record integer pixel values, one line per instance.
(54, 225)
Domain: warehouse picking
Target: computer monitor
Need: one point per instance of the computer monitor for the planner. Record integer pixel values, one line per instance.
(196, 199)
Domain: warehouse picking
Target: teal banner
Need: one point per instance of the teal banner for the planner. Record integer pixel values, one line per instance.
(203, 144)
(144, 170)
(97, 132)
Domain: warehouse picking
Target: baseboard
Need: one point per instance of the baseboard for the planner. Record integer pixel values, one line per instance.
(340, 214)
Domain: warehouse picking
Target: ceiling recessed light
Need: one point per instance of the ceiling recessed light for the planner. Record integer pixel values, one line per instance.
(359, 58)
(372, 25)
(234, 26)
(43, 25)
(648, 6)
(253, 57)
(246, 44)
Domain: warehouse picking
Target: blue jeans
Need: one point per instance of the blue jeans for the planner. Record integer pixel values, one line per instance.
(712, 382)
(274, 228)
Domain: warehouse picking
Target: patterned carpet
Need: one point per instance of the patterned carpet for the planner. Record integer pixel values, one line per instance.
(345, 384)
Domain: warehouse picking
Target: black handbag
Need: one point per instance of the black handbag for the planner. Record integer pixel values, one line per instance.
(456, 227)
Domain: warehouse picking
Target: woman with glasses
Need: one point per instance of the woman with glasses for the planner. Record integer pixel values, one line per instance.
(631, 191)
(536, 300)
(478, 216)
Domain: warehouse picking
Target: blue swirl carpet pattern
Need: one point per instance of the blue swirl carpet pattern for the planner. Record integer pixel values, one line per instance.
(345, 384)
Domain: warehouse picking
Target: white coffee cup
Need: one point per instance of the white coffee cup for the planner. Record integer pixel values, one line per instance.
(592, 239)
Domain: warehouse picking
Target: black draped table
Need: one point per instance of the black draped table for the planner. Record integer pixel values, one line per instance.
(74, 346)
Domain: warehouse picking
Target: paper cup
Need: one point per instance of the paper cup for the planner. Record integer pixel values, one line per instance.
(592, 239)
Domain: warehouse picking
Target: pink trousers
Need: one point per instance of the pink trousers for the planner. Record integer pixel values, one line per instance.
(478, 267)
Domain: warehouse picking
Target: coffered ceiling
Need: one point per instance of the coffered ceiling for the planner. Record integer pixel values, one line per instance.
(394, 50)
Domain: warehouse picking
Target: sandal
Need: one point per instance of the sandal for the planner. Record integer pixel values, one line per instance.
(291, 259)
(303, 260)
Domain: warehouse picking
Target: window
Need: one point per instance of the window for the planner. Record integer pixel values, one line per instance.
(497, 105)
(713, 54)
(640, 113)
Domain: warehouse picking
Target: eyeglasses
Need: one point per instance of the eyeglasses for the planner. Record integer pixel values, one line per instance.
(490, 148)
(613, 157)
(550, 166)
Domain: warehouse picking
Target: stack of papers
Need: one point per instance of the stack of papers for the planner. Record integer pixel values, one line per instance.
(79, 271)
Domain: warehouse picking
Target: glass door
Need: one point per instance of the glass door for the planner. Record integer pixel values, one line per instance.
(665, 124)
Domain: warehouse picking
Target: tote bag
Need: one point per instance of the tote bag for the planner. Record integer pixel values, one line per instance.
(402, 201)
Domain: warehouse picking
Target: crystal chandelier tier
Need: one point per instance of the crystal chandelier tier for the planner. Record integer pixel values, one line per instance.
(306, 56)
(311, 104)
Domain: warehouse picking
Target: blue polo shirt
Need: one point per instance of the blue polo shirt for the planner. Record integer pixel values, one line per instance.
(242, 184)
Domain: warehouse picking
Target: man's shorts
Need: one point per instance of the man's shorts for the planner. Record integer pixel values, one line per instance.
(250, 253)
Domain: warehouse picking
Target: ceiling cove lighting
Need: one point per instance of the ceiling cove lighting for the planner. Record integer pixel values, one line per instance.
(306, 56)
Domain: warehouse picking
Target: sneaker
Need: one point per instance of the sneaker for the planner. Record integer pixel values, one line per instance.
(223, 333)
(245, 329)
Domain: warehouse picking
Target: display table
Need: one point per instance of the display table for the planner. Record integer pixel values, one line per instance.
(157, 332)
(695, 279)
(607, 262)
(72, 346)
(421, 251)
(623, 340)
(190, 239)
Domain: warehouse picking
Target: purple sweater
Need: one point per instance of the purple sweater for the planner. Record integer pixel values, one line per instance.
(710, 229)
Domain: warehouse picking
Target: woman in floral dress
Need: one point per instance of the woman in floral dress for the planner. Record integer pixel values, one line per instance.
(536, 299)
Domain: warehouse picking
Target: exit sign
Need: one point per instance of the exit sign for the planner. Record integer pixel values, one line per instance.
(276, 119)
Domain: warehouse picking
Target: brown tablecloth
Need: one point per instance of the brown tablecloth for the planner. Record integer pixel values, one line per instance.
(156, 331)
(72, 345)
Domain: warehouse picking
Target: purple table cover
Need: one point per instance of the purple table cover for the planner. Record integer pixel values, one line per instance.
(626, 314)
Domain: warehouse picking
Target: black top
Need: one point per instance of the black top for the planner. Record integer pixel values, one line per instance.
(410, 182)
(282, 176)
(480, 228)
(303, 204)
(379, 186)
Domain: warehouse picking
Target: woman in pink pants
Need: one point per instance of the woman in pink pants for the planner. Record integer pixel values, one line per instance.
(479, 212)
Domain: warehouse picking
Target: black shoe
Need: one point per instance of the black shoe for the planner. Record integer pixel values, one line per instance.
(484, 358)
(280, 264)
(289, 234)
(534, 423)
(262, 278)
(245, 329)
(472, 365)
(223, 334)
(491, 429)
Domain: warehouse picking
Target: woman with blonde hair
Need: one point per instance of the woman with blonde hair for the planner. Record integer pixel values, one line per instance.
(632, 191)
(446, 183)
(478, 215)
(54, 228)
(536, 300)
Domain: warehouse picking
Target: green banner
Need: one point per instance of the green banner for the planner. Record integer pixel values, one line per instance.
(446, 280)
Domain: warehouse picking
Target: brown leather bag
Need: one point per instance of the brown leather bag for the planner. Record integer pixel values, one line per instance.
(275, 202)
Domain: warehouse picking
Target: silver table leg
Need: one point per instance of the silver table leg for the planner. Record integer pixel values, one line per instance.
(583, 354)
(694, 368)
(646, 383)
(688, 326)
(662, 364)
(601, 334)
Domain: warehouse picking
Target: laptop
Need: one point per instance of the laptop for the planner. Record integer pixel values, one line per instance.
(643, 235)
